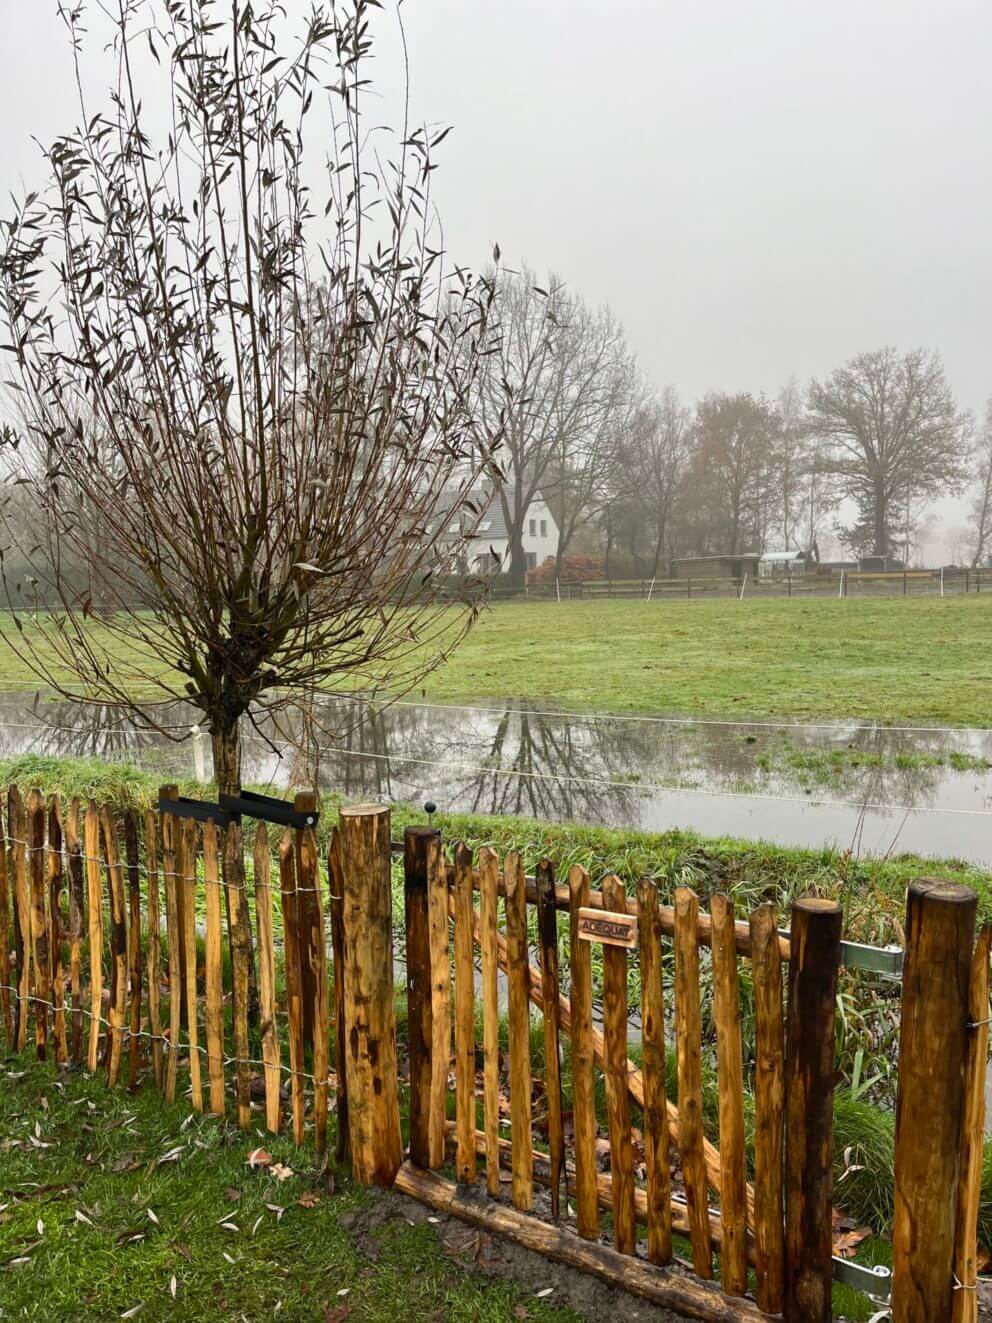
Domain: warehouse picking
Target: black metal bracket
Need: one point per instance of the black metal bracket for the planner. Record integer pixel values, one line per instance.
(265, 808)
(200, 810)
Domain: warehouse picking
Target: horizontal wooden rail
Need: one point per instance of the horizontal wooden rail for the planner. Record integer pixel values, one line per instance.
(666, 913)
(604, 1187)
(663, 1286)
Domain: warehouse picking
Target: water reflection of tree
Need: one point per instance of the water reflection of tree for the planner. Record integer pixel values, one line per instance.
(66, 730)
(511, 761)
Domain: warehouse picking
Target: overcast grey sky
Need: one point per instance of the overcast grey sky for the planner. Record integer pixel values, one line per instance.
(759, 188)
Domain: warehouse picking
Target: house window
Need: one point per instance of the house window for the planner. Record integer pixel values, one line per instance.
(532, 558)
(544, 528)
(533, 528)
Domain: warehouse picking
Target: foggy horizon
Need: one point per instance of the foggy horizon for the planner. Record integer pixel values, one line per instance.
(756, 194)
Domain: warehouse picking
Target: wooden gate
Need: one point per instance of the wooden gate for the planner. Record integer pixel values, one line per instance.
(477, 920)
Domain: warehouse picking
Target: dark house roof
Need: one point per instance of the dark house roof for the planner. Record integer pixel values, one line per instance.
(490, 525)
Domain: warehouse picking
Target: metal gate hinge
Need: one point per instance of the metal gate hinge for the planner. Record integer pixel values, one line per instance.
(876, 1282)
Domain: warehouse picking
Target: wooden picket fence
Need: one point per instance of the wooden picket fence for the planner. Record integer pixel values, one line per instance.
(103, 913)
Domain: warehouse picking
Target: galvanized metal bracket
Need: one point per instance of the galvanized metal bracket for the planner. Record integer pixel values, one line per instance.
(876, 1283)
(887, 960)
(881, 959)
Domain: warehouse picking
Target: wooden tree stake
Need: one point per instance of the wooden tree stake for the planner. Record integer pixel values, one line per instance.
(373, 1090)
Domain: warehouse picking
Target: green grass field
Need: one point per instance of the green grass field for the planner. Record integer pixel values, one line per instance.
(911, 661)
(926, 661)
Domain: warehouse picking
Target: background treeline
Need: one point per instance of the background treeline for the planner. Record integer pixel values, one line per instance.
(637, 474)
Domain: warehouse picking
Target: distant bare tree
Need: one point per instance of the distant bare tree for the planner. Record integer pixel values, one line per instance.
(727, 494)
(981, 511)
(241, 407)
(791, 463)
(650, 460)
(550, 390)
(892, 435)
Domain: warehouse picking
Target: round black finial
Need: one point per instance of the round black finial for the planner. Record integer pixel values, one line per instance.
(430, 807)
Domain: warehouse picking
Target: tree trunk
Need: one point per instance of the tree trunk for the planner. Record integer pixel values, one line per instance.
(227, 751)
(226, 742)
(880, 520)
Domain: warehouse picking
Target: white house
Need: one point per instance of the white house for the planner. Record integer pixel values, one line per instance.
(488, 546)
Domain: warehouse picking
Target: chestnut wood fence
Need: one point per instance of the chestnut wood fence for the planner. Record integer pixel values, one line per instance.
(112, 956)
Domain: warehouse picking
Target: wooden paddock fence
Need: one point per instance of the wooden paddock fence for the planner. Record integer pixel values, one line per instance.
(99, 926)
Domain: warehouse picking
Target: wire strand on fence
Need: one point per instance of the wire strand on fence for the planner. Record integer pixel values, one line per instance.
(145, 1035)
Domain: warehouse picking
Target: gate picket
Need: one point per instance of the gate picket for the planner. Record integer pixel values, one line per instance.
(688, 1028)
(617, 1093)
(656, 1154)
(547, 930)
(488, 927)
(464, 1016)
(519, 1015)
(583, 1057)
(730, 1082)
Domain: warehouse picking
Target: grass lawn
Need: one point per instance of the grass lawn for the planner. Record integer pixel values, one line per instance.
(112, 1203)
(899, 661)
(896, 660)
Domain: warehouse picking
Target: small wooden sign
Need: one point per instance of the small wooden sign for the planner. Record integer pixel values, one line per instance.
(609, 928)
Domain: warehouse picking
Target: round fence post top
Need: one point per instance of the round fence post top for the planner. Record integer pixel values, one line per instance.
(942, 889)
(418, 830)
(817, 905)
(363, 810)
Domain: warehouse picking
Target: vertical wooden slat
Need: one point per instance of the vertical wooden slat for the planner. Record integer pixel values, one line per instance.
(294, 990)
(488, 930)
(656, 1155)
(930, 1101)
(437, 917)
(964, 1304)
(769, 1109)
(170, 869)
(118, 944)
(133, 941)
(583, 1057)
(40, 983)
(18, 827)
(688, 1037)
(77, 917)
(55, 880)
(814, 960)
(547, 930)
(267, 977)
(94, 902)
(187, 868)
(373, 1088)
(309, 883)
(464, 1016)
(154, 946)
(615, 1072)
(239, 936)
(518, 979)
(418, 984)
(335, 903)
(5, 973)
(214, 1013)
(730, 1083)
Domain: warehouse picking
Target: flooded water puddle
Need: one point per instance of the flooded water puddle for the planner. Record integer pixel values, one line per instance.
(872, 789)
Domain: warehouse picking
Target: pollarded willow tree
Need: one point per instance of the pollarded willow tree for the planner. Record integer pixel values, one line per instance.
(241, 377)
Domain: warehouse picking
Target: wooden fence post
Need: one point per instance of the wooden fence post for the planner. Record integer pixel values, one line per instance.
(373, 1096)
(940, 930)
(420, 1019)
(815, 958)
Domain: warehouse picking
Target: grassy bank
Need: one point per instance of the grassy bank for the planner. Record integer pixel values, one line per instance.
(900, 660)
(113, 1202)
